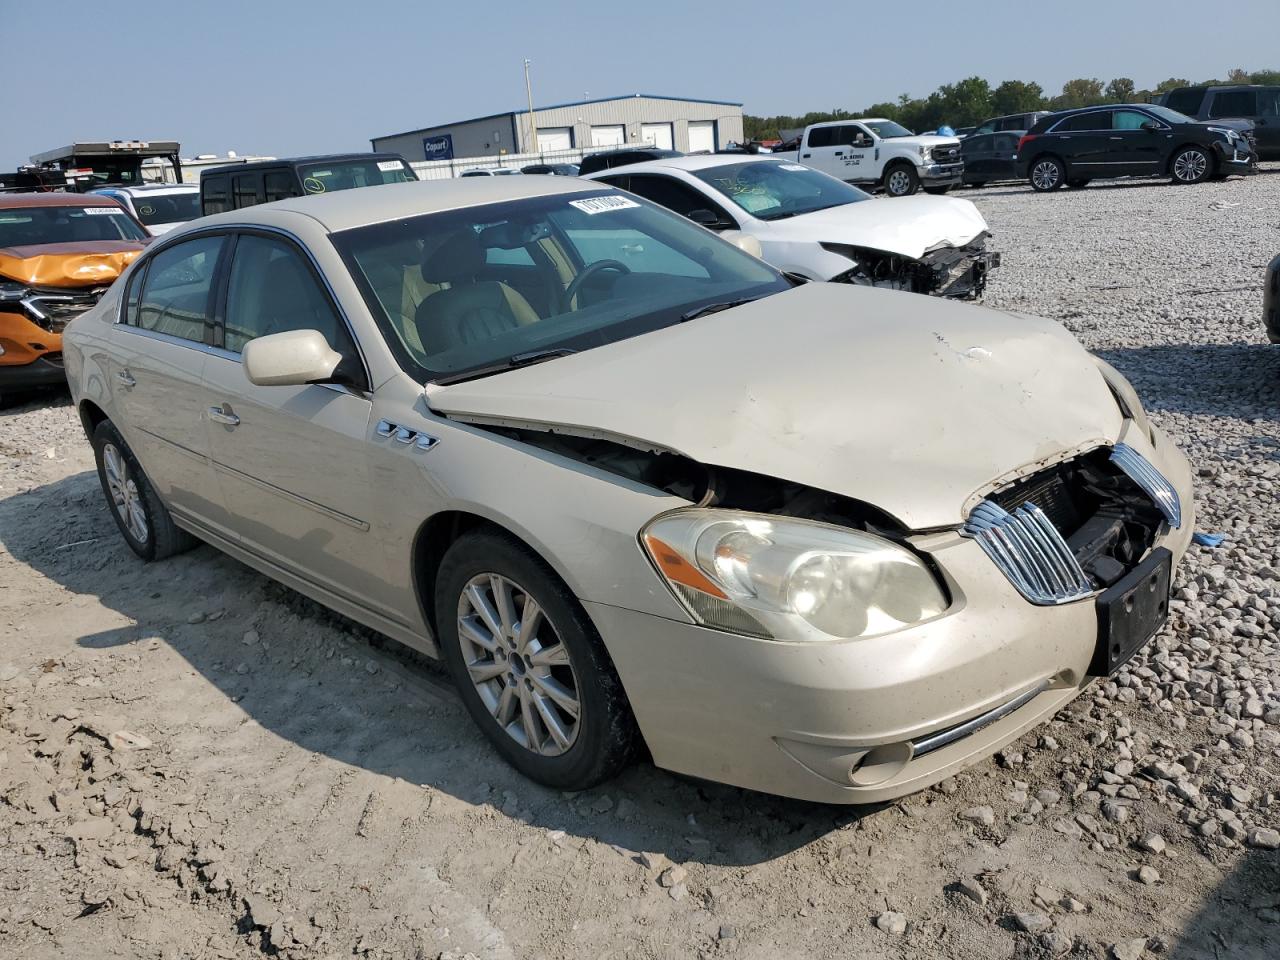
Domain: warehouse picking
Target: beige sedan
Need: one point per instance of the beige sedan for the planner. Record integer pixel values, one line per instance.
(633, 484)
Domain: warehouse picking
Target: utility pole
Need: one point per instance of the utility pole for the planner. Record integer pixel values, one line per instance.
(533, 128)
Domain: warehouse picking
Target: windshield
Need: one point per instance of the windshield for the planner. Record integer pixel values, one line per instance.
(473, 291)
(126, 171)
(347, 174)
(1167, 115)
(30, 226)
(774, 190)
(168, 207)
(887, 129)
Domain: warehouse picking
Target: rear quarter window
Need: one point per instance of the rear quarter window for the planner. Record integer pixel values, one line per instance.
(213, 194)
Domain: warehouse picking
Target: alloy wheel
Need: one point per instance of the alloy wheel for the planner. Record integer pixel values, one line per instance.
(518, 664)
(1190, 166)
(1045, 175)
(125, 495)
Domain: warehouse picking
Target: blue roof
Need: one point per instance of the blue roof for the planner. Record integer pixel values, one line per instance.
(559, 106)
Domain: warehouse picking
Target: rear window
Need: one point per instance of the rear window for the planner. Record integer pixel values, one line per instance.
(213, 194)
(167, 207)
(31, 226)
(349, 174)
(1185, 100)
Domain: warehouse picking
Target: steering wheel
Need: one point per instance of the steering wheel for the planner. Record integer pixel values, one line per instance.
(576, 283)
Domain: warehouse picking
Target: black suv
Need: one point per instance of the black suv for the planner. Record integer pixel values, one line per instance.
(248, 184)
(1243, 101)
(621, 158)
(1129, 140)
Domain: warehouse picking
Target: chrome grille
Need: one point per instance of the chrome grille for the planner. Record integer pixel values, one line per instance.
(945, 154)
(1151, 480)
(1030, 551)
(54, 309)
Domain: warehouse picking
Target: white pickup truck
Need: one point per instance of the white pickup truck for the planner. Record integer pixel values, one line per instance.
(881, 153)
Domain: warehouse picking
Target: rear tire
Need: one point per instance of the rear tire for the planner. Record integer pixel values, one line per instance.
(1047, 174)
(1078, 184)
(937, 191)
(1191, 165)
(901, 180)
(142, 517)
(501, 672)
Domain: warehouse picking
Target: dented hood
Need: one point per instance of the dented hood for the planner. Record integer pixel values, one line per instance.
(83, 264)
(907, 402)
(907, 226)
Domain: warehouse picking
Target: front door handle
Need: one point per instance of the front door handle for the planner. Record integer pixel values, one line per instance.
(219, 415)
(126, 379)
(805, 155)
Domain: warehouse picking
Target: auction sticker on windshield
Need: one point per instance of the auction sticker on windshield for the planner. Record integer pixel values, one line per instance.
(593, 205)
(103, 211)
(386, 166)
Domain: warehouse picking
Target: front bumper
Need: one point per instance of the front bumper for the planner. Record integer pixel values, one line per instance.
(30, 356)
(840, 722)
(941, 174)
(961, 273)
(1236, 157)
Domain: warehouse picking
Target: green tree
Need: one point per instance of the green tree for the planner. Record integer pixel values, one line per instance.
(1270, 77)
(963, 103)
(1120, 90)
(1080, 92)
(1164, 86)
(1016, 96)
(1238, 75)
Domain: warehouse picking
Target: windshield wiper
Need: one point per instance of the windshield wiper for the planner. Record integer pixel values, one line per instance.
(516, 360)
(697, 312)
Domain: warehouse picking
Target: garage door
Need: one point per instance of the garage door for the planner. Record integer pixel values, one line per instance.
(702, 136)
(608, 136)
(658, 134)
(555, 138)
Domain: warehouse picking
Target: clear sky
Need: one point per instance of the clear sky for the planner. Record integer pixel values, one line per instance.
(281, 77)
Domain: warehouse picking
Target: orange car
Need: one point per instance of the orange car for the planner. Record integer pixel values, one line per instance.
(58, 254)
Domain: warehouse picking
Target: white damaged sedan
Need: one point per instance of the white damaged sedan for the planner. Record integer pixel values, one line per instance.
(815, 226)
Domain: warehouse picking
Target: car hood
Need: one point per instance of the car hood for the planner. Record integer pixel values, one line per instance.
(84, 264)
(1240, 125)
(925, 140)
(907, 402)
(907, 226)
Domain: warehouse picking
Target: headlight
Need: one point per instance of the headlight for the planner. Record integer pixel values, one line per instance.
(12, 292)
(1126, 397)
(786, 579)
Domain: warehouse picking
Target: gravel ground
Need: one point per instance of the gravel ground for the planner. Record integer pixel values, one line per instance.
(198, 763)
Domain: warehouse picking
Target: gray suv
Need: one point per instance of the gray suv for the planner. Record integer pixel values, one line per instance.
(1239, 101)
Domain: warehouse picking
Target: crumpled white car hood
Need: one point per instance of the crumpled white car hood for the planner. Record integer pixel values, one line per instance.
(910, 403)
(907, 226)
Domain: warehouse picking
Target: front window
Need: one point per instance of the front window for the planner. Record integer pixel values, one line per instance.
(348, 174)
(31, 226)
(126, 171)
(167, 207)
(887, 129)
(774, 190)
(1169, 116)
(478, 290)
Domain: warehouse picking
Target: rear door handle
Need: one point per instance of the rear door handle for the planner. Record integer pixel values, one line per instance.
(126, 379)
(220, 415)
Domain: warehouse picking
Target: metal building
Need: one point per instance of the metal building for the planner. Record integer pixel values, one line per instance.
(675, 123)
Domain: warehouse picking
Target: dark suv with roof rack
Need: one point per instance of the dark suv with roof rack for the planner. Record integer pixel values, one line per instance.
(262, 181)
(1129, 140)
(1257, 103)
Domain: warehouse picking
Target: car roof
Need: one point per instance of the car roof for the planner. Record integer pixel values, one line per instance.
(696, 161)
(13, 201)
(345, 209)
(291, 161)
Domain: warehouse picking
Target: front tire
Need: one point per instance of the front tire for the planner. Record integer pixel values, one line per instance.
(1191, 165)
(142, 517)
(1047, 174)
(529, 665)
(901, 180)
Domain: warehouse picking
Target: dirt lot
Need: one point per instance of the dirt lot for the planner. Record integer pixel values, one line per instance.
(196, 762)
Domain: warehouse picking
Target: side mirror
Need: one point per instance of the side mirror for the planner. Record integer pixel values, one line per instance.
(290, 359)
(1150, 126)
(744, 242)
(706, 218)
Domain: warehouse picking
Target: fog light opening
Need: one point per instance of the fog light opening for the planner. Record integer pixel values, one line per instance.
(880, 764)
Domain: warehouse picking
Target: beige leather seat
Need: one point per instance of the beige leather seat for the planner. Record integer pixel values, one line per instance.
(469, 310)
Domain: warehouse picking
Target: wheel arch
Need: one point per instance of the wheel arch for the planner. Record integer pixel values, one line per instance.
(90, 416)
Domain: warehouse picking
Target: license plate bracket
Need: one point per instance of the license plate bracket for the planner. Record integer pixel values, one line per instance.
(1131, 612)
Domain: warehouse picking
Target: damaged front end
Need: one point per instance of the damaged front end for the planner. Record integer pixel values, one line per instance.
(945, 270)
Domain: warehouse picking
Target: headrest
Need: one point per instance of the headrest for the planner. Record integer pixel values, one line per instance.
(458, 260)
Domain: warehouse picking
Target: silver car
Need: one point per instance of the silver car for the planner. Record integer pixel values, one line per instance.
(634, 485)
